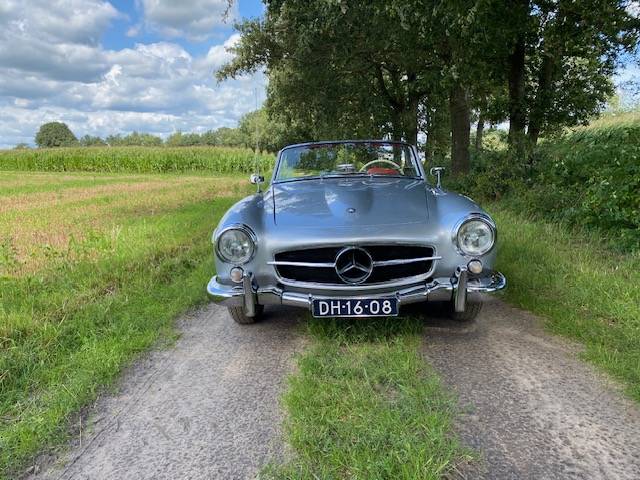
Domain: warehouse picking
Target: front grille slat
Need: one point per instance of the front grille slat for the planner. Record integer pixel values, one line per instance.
(315, 265)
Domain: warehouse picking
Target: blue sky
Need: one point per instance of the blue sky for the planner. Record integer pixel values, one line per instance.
(116, 37)
(114, 66)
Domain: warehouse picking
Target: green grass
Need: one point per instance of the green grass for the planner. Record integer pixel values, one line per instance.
(363, 404)
(75, 309)
(95, 267)
(585, 290)
(136, 159)
(613, 119)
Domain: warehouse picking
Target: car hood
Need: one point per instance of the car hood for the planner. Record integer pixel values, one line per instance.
(349, 202)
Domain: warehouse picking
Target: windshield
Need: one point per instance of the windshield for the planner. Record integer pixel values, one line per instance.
(347, 159)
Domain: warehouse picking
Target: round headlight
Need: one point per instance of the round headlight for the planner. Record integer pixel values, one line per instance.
(475, 237)
(236, 245)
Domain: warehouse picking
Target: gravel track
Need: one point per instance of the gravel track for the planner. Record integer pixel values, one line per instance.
(532, 408)
(205, 408)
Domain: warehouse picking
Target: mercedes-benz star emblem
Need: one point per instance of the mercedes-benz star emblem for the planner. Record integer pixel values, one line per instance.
(354, 265)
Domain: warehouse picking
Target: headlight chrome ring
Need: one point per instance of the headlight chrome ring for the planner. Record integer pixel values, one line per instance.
(473, 242)
(236, 244)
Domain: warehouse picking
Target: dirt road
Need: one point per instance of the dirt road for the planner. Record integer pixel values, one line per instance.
(207, 408)
(533, 410)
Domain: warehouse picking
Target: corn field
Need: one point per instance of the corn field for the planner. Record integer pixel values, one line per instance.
(136, 159)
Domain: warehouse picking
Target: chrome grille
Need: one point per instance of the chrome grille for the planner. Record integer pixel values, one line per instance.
(390, 263)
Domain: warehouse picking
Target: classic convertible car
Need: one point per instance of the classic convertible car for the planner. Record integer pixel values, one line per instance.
(353, 229)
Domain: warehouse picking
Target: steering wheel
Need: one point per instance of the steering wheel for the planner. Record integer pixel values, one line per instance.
(381, 160)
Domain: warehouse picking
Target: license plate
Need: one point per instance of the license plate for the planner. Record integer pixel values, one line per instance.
(356, 307)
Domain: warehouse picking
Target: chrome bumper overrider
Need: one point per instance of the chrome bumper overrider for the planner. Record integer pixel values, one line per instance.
(440, 289)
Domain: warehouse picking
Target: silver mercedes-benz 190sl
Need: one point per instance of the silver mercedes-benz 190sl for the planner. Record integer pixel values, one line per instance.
(353, 229)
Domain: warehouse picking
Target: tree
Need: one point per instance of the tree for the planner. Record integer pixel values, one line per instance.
(174, 140)
(267, 134)
(228, 137)
(367, 69)
(350, 66)
(346, 68)
(134, 139)
(22, 146)
(55, 134)
(563, 54)
(90, 141)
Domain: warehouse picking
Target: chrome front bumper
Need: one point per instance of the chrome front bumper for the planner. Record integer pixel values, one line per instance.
(440, 289)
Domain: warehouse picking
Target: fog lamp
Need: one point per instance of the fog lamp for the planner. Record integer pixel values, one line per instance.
(475, 266)
(236, 274)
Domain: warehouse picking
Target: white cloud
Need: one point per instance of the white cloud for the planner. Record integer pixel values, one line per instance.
(627, 81)
(65, 75)
(192, 19)
(134, 31)
(58, 21)
(218, 55)
(59, 39)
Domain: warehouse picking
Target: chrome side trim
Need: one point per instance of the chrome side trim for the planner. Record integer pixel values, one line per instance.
(403, 261)
(304, 264)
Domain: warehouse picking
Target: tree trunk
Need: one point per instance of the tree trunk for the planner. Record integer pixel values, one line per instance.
(460, 129)
(479, 131)
(411, 122)
(438, 129)
(396, 125)
(543, 95)
(517, 113)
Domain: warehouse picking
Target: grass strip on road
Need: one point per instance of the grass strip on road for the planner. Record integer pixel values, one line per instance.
(363, 404)
(584, 290)
(68, 327)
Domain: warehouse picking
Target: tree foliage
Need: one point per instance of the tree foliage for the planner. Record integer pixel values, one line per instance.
(254, 129)
(92, 141)
(55, 134)
(346, 68)
(134, 139)
(561, 61)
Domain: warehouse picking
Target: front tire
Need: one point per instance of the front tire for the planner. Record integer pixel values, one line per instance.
(239, 316)
(471, 311)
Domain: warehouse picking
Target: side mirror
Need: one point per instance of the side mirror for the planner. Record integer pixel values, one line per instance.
(437, 172)
(256, 179)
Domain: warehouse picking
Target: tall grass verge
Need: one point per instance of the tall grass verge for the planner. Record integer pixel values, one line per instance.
(364, 404)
